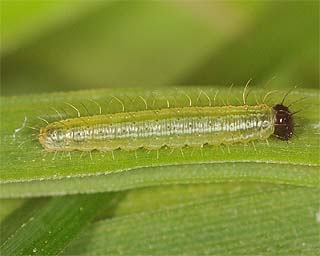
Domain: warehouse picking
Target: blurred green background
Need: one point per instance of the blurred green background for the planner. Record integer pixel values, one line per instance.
(68, 45)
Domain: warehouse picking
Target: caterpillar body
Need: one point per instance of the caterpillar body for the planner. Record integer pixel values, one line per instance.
(173, 127)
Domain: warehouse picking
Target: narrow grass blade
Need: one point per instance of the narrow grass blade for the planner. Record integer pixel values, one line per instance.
(27, 170)
(53, 225)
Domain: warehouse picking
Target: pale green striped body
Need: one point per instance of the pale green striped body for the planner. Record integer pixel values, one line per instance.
(153, 129)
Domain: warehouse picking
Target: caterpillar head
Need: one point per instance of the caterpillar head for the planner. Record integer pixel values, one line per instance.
(284, 125)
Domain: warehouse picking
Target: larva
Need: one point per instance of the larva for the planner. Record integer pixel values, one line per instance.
(173, 127)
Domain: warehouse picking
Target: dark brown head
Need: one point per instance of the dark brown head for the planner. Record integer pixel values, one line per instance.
(283, 122)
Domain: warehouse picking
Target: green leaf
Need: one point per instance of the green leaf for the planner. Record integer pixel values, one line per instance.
(27, 170)
(234, 219)
(20, 215)
(46, 226)
(8, 206)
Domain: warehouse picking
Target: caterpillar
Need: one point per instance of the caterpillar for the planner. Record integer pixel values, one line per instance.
(173, 127)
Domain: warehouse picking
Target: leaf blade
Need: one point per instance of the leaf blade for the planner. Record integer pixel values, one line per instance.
(33, 169)
(53, 225)
(255, 221)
